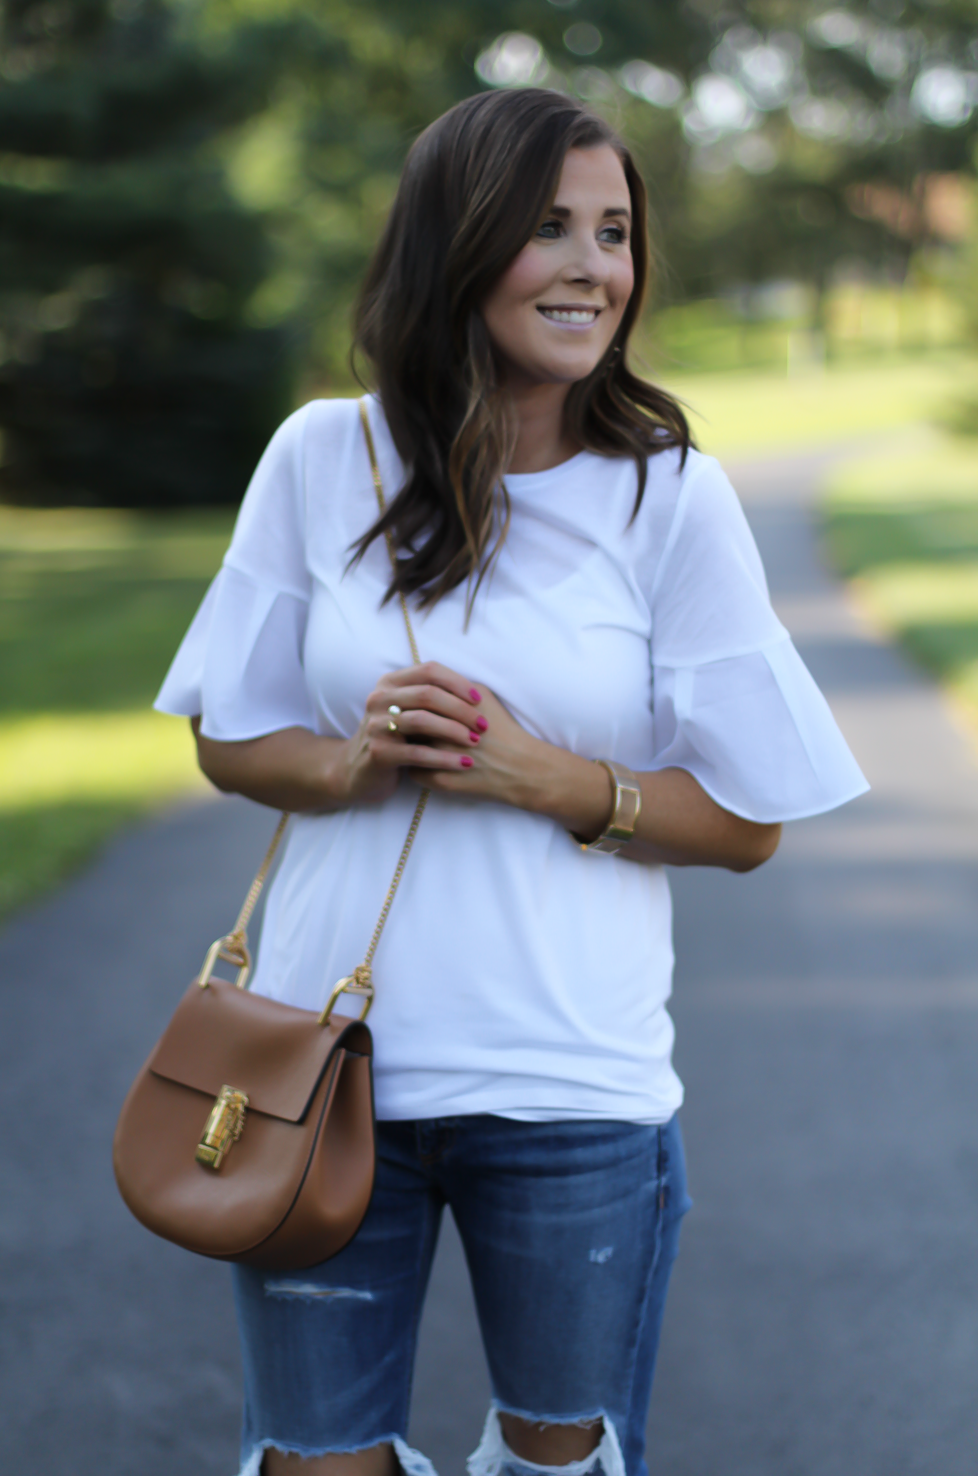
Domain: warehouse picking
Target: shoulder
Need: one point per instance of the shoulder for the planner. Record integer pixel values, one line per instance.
(318, 427)
(692, 493)
(331, 426)
(672, 476)
(673, 484)
(706, 540)
(306, 439)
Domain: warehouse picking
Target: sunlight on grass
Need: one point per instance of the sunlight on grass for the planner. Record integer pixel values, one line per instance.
(95, 602)
(964, 688)
(928, 466)
(908, 595)
(904, 526)
(134, 757)
(759, 413)
(69, 781)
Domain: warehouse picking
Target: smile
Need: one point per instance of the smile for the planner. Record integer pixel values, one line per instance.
(578, 317)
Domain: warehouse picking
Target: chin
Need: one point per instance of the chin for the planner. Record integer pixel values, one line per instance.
(568, 371)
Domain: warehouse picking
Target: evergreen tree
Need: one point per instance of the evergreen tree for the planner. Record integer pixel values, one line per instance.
(129, 371)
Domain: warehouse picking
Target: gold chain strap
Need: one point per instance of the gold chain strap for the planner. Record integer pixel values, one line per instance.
(233, 948)
(240, 928)
(381, 503)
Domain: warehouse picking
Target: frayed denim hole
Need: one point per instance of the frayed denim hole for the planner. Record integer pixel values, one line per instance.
(412, 1462)
(311, 1291)
(493, 1456)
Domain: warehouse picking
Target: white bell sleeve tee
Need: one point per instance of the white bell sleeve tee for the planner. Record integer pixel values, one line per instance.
(240, 664)
(734, 703)
(518, 973)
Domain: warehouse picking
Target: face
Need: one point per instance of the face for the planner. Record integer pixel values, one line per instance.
(557, 307)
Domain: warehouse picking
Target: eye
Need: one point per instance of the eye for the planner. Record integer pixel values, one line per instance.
(550, 230)
(615, 235)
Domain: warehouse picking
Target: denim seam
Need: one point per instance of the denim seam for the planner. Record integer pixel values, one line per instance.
(419, 1301)
(640, 1321)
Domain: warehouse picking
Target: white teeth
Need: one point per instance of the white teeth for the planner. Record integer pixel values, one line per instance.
(571, 315)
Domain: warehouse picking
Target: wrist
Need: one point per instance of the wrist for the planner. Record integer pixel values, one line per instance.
(334, 772)
(575, 792)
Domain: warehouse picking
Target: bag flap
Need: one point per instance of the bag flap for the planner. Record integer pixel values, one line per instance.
(224, 1036)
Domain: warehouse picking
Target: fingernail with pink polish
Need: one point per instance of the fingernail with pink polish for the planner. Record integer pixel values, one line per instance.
(473, 737)
(482, 723)
(474, 695)
(466, 761)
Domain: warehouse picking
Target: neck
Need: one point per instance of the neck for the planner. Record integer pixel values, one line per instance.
(541, 440)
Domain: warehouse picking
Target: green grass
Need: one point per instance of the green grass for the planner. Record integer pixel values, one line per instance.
(904, 528)
(94, 603)
(860, 323)
(742, 415)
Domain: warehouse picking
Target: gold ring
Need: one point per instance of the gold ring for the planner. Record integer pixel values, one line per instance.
(395, 712)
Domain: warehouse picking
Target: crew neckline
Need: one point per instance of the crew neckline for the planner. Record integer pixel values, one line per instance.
(538, 477)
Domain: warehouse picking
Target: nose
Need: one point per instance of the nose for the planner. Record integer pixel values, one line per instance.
(588, 262)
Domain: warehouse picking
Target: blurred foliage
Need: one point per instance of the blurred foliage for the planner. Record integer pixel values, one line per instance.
(773, 329)
(130, 372)
(189, 192)
(905, 527)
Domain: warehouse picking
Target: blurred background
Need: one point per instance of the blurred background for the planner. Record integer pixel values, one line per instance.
(189, 192)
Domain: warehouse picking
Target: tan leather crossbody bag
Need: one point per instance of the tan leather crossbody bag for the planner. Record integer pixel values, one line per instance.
(249, 1133)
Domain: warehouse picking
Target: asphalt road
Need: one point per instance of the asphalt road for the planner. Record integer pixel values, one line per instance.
(824, 1313)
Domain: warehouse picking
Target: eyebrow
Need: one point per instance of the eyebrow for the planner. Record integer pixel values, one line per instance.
(563, 212)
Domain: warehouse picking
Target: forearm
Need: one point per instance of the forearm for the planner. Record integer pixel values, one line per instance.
(679, 823)
(293, 769)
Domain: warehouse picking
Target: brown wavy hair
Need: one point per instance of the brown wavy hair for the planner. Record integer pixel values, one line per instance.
(475, 187)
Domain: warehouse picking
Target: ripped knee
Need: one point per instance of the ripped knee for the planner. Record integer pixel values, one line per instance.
(392, 1457)
(546, 1444)
(521, 1445)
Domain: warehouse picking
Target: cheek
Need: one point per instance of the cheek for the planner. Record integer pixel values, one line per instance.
(523, 281)
(526, 276)
(622, 282)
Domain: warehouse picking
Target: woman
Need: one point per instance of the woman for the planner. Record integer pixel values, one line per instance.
(584, 587)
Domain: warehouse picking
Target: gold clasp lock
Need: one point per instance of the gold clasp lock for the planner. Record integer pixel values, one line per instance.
(233, 950)
(359, 983)
(223, 1127)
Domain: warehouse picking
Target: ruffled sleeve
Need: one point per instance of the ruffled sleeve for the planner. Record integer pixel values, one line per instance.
(240, 664)
(733, 702)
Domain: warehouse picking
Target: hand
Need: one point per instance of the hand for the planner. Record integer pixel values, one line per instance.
(440, 723)
(508, 765)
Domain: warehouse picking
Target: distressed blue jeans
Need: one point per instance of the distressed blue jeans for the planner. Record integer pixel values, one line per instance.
(570, 1231)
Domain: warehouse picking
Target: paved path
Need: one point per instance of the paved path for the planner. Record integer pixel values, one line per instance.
(824, 1319)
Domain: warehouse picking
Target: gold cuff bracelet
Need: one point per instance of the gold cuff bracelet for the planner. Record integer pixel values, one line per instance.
(625, 811)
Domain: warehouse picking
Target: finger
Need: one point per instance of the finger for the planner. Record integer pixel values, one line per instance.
(432, 673)
(416, 723)
(433, 699)
(432, 759)
(389, 751)
(444, 781)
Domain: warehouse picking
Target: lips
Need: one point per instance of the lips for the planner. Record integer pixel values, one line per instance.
(578, 317)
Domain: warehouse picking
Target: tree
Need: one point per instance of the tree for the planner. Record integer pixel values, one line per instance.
(131, 374)
(766, 128)
(188, 197)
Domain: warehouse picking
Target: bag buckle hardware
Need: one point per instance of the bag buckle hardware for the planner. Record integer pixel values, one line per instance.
(233, 949)
(223, 1127)
(360, 983)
